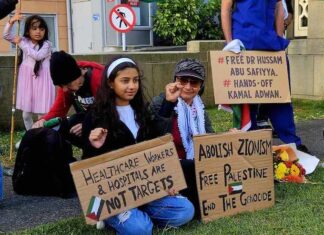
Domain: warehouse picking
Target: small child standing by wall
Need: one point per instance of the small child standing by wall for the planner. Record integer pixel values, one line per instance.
(35, 90)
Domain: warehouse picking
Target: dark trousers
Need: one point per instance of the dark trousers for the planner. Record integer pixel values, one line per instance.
(67, 124)
(188, 167)
(281, 117)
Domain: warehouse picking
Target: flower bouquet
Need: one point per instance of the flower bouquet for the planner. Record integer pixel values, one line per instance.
(286, 166)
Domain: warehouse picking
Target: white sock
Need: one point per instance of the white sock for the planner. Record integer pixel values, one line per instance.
(28, 120)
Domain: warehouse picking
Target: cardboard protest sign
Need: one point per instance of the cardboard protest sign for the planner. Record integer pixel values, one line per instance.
(234, 173)
(127, 178)
(249, 77)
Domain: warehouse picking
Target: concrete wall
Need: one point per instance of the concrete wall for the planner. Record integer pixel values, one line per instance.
(158, 67)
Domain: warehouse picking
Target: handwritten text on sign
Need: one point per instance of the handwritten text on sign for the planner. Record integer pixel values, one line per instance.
(234, 173)
(249, 77)
(117, 181)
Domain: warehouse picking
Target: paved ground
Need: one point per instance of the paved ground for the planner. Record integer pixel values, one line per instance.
(20, 212)
(311, 133)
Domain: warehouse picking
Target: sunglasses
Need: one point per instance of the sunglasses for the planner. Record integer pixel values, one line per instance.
(193, 82)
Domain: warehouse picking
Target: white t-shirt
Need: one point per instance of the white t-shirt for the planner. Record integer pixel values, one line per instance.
(284, 4)
(127, 116)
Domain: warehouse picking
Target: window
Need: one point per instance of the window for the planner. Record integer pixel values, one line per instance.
(52, 29)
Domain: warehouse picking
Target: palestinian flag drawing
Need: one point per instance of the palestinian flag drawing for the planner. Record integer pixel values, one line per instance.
(95, 208)
(235, 188)
(241, 115)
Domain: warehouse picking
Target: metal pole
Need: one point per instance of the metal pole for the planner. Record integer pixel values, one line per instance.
(13, 107)
(124, 41)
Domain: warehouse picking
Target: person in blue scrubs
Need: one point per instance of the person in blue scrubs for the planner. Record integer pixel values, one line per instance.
(258, 25)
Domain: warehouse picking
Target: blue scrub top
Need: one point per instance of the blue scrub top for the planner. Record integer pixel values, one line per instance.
(253, 23)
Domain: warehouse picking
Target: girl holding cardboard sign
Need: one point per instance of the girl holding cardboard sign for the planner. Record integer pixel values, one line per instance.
(119, 119)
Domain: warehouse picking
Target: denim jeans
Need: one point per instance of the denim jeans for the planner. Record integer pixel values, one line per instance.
(170, 211)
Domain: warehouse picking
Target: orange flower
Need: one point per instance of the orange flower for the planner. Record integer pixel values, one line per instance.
(294, 179)
(294, 170)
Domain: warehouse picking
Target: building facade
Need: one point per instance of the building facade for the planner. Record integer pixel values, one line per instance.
(82, 26)
(90, 21)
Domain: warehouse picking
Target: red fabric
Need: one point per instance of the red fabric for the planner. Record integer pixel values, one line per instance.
(177, 139)
(245, 117)
(63, 99)
(61, 105)
(96, 74)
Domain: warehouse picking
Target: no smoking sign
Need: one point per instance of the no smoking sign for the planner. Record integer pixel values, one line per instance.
(122, 18)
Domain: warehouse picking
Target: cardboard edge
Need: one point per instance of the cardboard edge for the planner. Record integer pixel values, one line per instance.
(231, 133)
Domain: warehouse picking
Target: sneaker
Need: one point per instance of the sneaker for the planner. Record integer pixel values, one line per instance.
(304, 149)
(263, 124)
(17, 144)
(100, 225)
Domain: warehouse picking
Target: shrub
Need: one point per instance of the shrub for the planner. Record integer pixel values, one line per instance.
(209, 27)
(178, 20)
(182, 20)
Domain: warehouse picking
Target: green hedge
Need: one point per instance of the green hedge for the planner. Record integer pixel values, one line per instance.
(179, 21)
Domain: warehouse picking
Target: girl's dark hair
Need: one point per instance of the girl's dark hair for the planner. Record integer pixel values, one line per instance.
(28, 24)
(104, 110)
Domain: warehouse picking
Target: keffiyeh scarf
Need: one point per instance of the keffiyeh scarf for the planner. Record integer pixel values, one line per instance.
(191, 121)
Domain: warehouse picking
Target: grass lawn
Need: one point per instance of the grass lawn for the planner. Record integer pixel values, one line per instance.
(299, 208)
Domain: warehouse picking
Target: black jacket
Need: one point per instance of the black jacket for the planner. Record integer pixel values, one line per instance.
(163, 113)
(7, 6)
(122, 137)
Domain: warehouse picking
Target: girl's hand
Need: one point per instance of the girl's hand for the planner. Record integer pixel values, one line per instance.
(17, 39)
(98, 136)
(173, 91)
(76, 130)
(39, 123)
(172, 192)
(233, 130)
(17, 16)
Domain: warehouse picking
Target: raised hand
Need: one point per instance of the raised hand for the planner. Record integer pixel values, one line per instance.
(98, 136)
(173, 91)
(17, 16)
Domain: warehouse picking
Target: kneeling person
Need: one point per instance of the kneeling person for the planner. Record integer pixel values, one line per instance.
(78, 83)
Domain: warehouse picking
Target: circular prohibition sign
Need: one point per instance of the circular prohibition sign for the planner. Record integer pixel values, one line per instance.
(122, 18)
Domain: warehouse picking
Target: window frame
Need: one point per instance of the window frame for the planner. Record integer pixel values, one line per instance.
(55, 44)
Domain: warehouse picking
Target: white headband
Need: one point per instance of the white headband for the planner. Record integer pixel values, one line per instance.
(116, 63)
